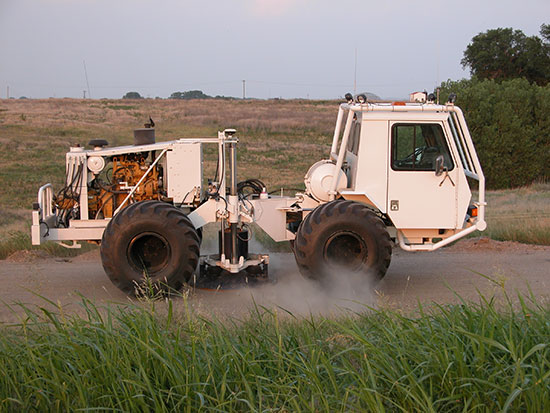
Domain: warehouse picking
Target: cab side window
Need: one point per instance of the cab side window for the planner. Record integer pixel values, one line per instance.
(416, 146)
(355, 134)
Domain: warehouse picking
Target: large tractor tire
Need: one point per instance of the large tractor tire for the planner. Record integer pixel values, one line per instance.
(150, 244)
(342, 237)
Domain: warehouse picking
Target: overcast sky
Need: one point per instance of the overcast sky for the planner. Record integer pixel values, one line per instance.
(282, 48)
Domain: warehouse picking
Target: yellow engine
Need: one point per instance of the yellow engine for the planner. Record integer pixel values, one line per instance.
(107, 193)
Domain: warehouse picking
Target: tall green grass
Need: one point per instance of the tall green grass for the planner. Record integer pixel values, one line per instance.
(467, 357)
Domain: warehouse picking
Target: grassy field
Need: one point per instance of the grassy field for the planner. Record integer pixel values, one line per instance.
(468, 357)
(521, 214)
(279, 140)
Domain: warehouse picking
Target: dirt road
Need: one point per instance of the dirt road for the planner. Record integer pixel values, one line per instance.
(411, 279)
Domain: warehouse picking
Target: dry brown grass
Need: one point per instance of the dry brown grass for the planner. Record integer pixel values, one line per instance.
(521, 214)
(279, 140)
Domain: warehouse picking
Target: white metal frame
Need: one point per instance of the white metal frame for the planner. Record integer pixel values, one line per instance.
(44, 219)
(270, 213)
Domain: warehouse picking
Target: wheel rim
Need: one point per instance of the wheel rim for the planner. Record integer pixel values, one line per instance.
(149, 252)
(345, 249)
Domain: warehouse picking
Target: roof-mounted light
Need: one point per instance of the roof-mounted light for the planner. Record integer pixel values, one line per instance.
(452, 98)
(349, 98)
(361, 99)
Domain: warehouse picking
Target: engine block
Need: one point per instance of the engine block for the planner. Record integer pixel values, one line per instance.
(107, 191)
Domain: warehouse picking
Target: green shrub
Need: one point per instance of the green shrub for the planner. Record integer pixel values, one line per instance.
(510, 125)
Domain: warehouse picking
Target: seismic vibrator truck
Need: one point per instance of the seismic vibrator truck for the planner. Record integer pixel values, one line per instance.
(397, 173)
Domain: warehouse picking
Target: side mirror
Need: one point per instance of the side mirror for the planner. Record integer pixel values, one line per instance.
(439, 165)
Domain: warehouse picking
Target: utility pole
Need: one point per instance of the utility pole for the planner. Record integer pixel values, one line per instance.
(8, 93)
(244, 89)
(87, 84)
(84, 93)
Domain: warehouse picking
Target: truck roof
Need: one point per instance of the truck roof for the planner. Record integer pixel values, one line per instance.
(397, 106)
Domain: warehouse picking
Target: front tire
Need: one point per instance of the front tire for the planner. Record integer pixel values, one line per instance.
(342, 236)
(151, 242)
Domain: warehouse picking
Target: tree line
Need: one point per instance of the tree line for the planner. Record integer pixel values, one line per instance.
(187, 95)
(507, 104)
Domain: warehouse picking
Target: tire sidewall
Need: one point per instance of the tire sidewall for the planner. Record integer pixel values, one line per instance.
(150, 217)
(152, 225)
(342, 216)
(360, 229)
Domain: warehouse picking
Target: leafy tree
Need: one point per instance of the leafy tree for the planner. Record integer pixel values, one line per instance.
(176, 95)
(507, 54)
(190, 94)
(132, 95)
(545, 32)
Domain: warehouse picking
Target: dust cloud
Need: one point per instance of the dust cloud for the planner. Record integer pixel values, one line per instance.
(288, 291)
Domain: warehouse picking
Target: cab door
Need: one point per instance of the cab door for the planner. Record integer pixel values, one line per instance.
(417, 198)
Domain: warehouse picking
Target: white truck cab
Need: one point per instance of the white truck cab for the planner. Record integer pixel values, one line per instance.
(409, 162)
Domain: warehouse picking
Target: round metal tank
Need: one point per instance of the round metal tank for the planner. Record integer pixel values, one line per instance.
(318, 180)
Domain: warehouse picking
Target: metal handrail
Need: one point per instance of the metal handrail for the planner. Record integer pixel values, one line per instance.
(45, 201)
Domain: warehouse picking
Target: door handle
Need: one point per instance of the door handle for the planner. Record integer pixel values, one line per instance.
(447, 176)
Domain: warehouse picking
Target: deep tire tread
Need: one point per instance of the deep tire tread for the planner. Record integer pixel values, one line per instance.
(314, 229)
(162, 217)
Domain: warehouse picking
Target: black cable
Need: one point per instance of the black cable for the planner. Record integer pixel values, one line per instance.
(47, 228)
(249, 229)
(78, 173)
(255, 185)
(67, 191)
(224, 200)
(185, 197)
(77, 178)
(244, 198)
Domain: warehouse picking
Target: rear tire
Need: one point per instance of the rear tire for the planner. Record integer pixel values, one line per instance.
(150, 244)
(342, 235)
